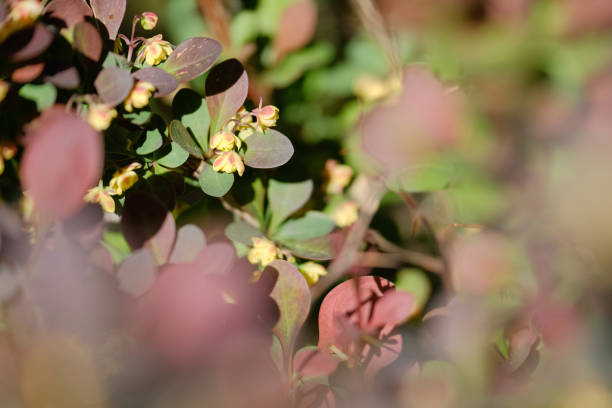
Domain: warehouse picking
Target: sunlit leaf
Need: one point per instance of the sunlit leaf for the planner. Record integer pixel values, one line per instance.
(152, 138)
(286, 198)
(87, 40)
(136, 274)
(192, 58)
(316, 249)
(292, 295)
(175, 158)
(268, 150)
(415, 282)
(215, 183)
(164, 83)
(110, 12)
(227, 86)
(42, 95)
(312, 225)
(113, 85)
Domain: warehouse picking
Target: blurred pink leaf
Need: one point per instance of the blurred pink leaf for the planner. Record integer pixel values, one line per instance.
(87, 40)
(27, 73)
(62, 160)
(27, 43)
(162, 242)
(296, 28)
(164, 82)
(190, 240)
(310, 361)
(70, 11)
(137, 273)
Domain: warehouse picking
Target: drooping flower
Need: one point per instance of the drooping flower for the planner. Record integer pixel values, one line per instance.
(100, 116)
(102, 196)
(312, 271)
(148, 20)
(346, 214)
(139, 96)
(154, 51)
(338, 176)
(224, 141)
(124, 178)
(263, 252)
(266, 116)
(229, 162)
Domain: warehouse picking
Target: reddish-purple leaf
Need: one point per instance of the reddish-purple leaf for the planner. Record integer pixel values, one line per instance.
(192, 58)
(163, 81)
(297, 26)
(216, 258)
(292, 295)
(522, 342)
(113, 85)
(64, 78)
(162, 242)
(136, 275)
(27, 73)
(393, 308)
(227, 86)
(3, 10)
(143, 216)
(190, 240)
(314, 395)
(110, 12)
(310, 362)
(70, 11)
(86, 226)
(62, 160)
(87, 40)
(26, 44)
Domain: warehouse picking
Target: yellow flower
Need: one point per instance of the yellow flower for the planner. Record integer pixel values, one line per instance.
(263, 251)
(266, 116)
(22, 14)
(139, 96)
(229, 162)
(154, 51)
(148, 20)
(8, 150)
(100, 116)
(338, 175)
(102, 196)
(312, 271)
(224, 141)
(346, 214)
(4, 88)
(124, 178)
(370, 88)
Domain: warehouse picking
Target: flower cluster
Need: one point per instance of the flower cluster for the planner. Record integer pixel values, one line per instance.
(121, 181)
(226, 143)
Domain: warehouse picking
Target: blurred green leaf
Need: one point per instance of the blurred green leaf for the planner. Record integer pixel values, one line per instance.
(415, 282)
(242, 232)
(314, 224)
(296, 64)
(286, 198)
(42, 95)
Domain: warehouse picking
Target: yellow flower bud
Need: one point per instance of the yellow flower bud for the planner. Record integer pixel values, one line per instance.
(229, 162)
(312, 271)
(266, 116)
(124, 178)
(8, 149)
(224, 141)
(148, 20)
(100, 116)
(346, 214)
(154, 51)
(139, 96)
(4, 88)
(263, 251)
(338, 176)
(102, 196)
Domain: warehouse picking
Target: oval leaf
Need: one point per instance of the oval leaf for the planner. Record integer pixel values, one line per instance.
(192, 58)
(286, 198)
(313, 225)
(110, 12)
(26, 44)
(267, 151)
(215, 183)
(113, 85)
(175, 158)
(164, 82)
(192, 111)
(242, 232)
(60, 146)
(297, 26)
(143, 216)
(70, 11)
(227, 86)
(162, 242)
(137, 273)
(190, 241)
(180, 135)
(316, 249)
(87, 40)
(292, 295)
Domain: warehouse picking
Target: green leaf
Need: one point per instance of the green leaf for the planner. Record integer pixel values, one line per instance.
(314, 224)
(242, 232)
(425, 177)
(316, 249)
(227, 86)
(139, 118)
(215, 184)
(175, 158)
(286, 198)
(294, 65)
(256, 207)
(267, 150)
(292, 295)
(115, 60)
(415, 282)
(191, 109)
(180, 135)
(42, 95)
